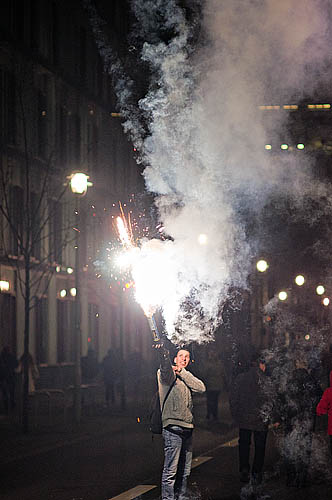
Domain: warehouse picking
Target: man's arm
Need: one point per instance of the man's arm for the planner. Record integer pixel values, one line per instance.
(167, 375)
(194, 383)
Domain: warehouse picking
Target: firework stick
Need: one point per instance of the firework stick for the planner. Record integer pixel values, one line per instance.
(154, 329)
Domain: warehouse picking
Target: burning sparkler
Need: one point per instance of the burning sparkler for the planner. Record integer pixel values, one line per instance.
(128, 259)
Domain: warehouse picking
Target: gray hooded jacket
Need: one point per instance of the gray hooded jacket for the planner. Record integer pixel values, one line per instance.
(179, 404)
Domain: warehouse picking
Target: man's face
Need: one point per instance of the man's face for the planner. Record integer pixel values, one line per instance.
(182, 359)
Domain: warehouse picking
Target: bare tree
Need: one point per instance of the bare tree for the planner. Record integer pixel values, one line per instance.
(34, 230)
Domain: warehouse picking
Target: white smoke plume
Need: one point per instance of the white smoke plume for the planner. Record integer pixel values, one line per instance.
(204, 151)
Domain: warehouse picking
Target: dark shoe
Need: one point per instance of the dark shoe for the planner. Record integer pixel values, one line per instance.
(244, 477)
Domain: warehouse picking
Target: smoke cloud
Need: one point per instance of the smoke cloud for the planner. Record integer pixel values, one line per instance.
(204, 143)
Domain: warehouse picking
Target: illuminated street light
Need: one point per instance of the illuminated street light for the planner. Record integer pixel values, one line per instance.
(307, 336)
(63, 293)
(79, 183)
(284, 147)
(300, 146)
(262, 266)
(320, 290)
(299, 280)
(326, 301)
(73, 292)
(70, 270)
(4, 286)
(282, 295)
(268, 147)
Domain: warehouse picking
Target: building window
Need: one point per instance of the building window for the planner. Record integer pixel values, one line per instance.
(41, 329)
(56, 232)
(93, 339)
(66, 331)
(36, 235)
(63, 136)
(16, 218)
(82, 54)
(42, 124)
(7, 107)
(8, 321)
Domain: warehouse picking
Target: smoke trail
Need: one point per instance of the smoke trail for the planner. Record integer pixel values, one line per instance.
(203, 149)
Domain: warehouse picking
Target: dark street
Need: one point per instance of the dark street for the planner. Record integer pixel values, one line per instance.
(114, 455)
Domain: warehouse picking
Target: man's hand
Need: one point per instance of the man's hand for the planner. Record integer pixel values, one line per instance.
(158, 345)
(176, 370)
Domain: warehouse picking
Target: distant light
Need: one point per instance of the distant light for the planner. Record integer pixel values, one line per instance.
(89, 339)
(307, 336)
(202, 239)
(262, 266)
(326, 301)
(299, 280)
(70, 270)
(320, 290)
(4, 286)
(290, 106)
(63, 293)
(282, 295)
(319, 106)
(73, 292)
(300, 146)
(268, 146)
(284, 146)
(58, 269)
(79, 183)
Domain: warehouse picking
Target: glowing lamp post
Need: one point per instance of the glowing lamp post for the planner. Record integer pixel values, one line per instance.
(79, 185)
(262, 266)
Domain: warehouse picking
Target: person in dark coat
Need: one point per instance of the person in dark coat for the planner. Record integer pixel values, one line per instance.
(251, 411)
(8, 363)
(109, 374)
(301, 398)
(325, 407)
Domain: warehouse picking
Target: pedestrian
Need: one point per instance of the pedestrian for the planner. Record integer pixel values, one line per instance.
(301, 398)
(8, 363)
(251, 410)
(177, 383)
(109, 374)
(33, 371)
(213, 379)
(325, 407)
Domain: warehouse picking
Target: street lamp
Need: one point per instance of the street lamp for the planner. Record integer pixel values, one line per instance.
(79, 185)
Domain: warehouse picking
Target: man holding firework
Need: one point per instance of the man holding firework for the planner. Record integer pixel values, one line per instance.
(176, 384)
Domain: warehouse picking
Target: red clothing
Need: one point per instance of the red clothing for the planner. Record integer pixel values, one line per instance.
(325, 406)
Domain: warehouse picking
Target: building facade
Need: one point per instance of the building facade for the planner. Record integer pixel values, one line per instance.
(57, 112)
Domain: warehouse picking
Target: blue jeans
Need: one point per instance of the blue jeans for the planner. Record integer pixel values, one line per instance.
(177, 463)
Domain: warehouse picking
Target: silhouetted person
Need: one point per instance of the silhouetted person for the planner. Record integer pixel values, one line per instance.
(325, 407)
(8, 365)
(33, 371)
(249, 407)
(301, 398)
(109, 374)
(212, 374)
